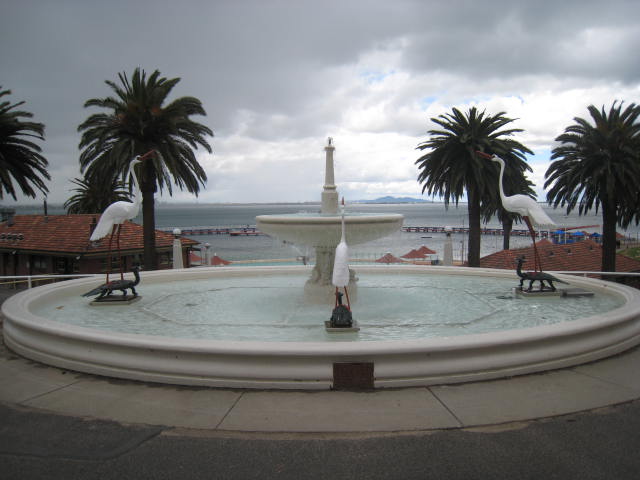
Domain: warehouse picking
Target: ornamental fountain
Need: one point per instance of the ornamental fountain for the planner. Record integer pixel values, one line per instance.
(249, 327)
(322, 232)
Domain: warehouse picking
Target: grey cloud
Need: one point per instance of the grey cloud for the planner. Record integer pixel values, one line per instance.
(281, 61)
(526, 38)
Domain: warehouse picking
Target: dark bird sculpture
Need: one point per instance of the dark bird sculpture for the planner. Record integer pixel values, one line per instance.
(108, 288)
(536, 277)
(341, 316)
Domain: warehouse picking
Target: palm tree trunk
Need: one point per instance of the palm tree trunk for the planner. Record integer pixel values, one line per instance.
(609, 244)
(474, 229)
(148, 189)
(507, 226)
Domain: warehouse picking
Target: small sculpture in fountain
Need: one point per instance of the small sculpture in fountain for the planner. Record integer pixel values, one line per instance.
(341, 316)
(105, 290)
(536, 277)
(531, 212)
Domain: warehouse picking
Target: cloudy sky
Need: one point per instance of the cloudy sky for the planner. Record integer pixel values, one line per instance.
(277, 77)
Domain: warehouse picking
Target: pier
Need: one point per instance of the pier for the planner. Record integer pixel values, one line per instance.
(483, 231)
(251, 230)
(247, 231)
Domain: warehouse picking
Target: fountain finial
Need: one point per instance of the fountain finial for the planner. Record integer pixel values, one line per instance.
(329, 193)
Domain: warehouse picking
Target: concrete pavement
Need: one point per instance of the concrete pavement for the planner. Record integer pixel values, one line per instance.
(612, 381)
(60, 424)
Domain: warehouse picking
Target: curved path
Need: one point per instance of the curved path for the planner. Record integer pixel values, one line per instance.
(60, 424)
(603, 383)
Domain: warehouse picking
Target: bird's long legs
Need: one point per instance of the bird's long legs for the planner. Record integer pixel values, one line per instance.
(537, 265)
(119, 253)
(113, 229)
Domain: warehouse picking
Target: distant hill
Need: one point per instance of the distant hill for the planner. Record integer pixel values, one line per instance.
(395, 200)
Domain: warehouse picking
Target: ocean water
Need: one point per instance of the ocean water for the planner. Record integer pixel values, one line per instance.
(419, 214)
(264, 247)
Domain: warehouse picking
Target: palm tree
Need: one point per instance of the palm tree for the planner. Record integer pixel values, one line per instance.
(94, 195)
(20, 158)
(137, 121)
(451, 166)
(597, 165)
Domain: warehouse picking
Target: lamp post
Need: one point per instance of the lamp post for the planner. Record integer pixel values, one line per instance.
(177, 249)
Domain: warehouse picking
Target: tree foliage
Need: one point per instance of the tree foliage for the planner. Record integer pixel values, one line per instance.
(597, 166)
(451, 168)
(135, 120)
(21, 162)
(94, 195)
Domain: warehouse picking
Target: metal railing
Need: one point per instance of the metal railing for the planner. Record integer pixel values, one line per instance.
(587, 273)
(30, 279)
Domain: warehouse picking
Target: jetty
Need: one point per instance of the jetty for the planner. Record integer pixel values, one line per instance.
(234, 231)
(252, 230)
(465, 230)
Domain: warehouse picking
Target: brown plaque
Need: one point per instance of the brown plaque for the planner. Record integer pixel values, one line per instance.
(353, 376)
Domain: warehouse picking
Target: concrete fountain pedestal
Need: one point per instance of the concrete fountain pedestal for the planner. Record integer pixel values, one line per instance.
(322, 231)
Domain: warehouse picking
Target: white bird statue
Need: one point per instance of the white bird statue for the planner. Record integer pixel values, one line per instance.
(523, 205)
(119, 212)
(340, 276)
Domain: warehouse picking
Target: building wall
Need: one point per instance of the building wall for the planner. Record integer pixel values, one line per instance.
(43, 264)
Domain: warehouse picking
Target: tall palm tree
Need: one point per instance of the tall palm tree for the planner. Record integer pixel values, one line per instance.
(451, 167)
(137, 121)
(94, 195)
(20, 157)
(597, 165)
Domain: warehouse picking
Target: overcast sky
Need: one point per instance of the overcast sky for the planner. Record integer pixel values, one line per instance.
(278, 77)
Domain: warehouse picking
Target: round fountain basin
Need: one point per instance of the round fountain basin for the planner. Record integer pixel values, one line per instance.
(320, 230)
(418, 344)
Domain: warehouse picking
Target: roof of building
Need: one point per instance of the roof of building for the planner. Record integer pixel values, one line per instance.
(70, 234)
(583, 256)
(426, 250)
(414, 254)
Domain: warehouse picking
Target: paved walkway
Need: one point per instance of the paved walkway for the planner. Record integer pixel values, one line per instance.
(576, 423)
(608, 382)
(60, 424)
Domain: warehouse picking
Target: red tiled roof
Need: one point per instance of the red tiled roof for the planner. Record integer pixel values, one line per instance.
(414, 254)
(388, 258)
(580, 256)
(426, 250)
(216, 260)
(70, 234)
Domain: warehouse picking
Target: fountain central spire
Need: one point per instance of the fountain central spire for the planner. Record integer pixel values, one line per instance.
(329, 192)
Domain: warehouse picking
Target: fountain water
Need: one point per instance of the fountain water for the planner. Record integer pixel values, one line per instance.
(323, 230)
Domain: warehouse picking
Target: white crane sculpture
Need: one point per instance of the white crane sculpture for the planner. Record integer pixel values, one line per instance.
(119, 212)
(341, 274)
(523, 205)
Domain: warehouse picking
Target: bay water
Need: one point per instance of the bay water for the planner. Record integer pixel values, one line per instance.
(244, 248)
(240, 248)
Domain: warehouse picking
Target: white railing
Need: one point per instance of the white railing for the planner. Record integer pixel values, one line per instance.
(587, 273)
(31, 278)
